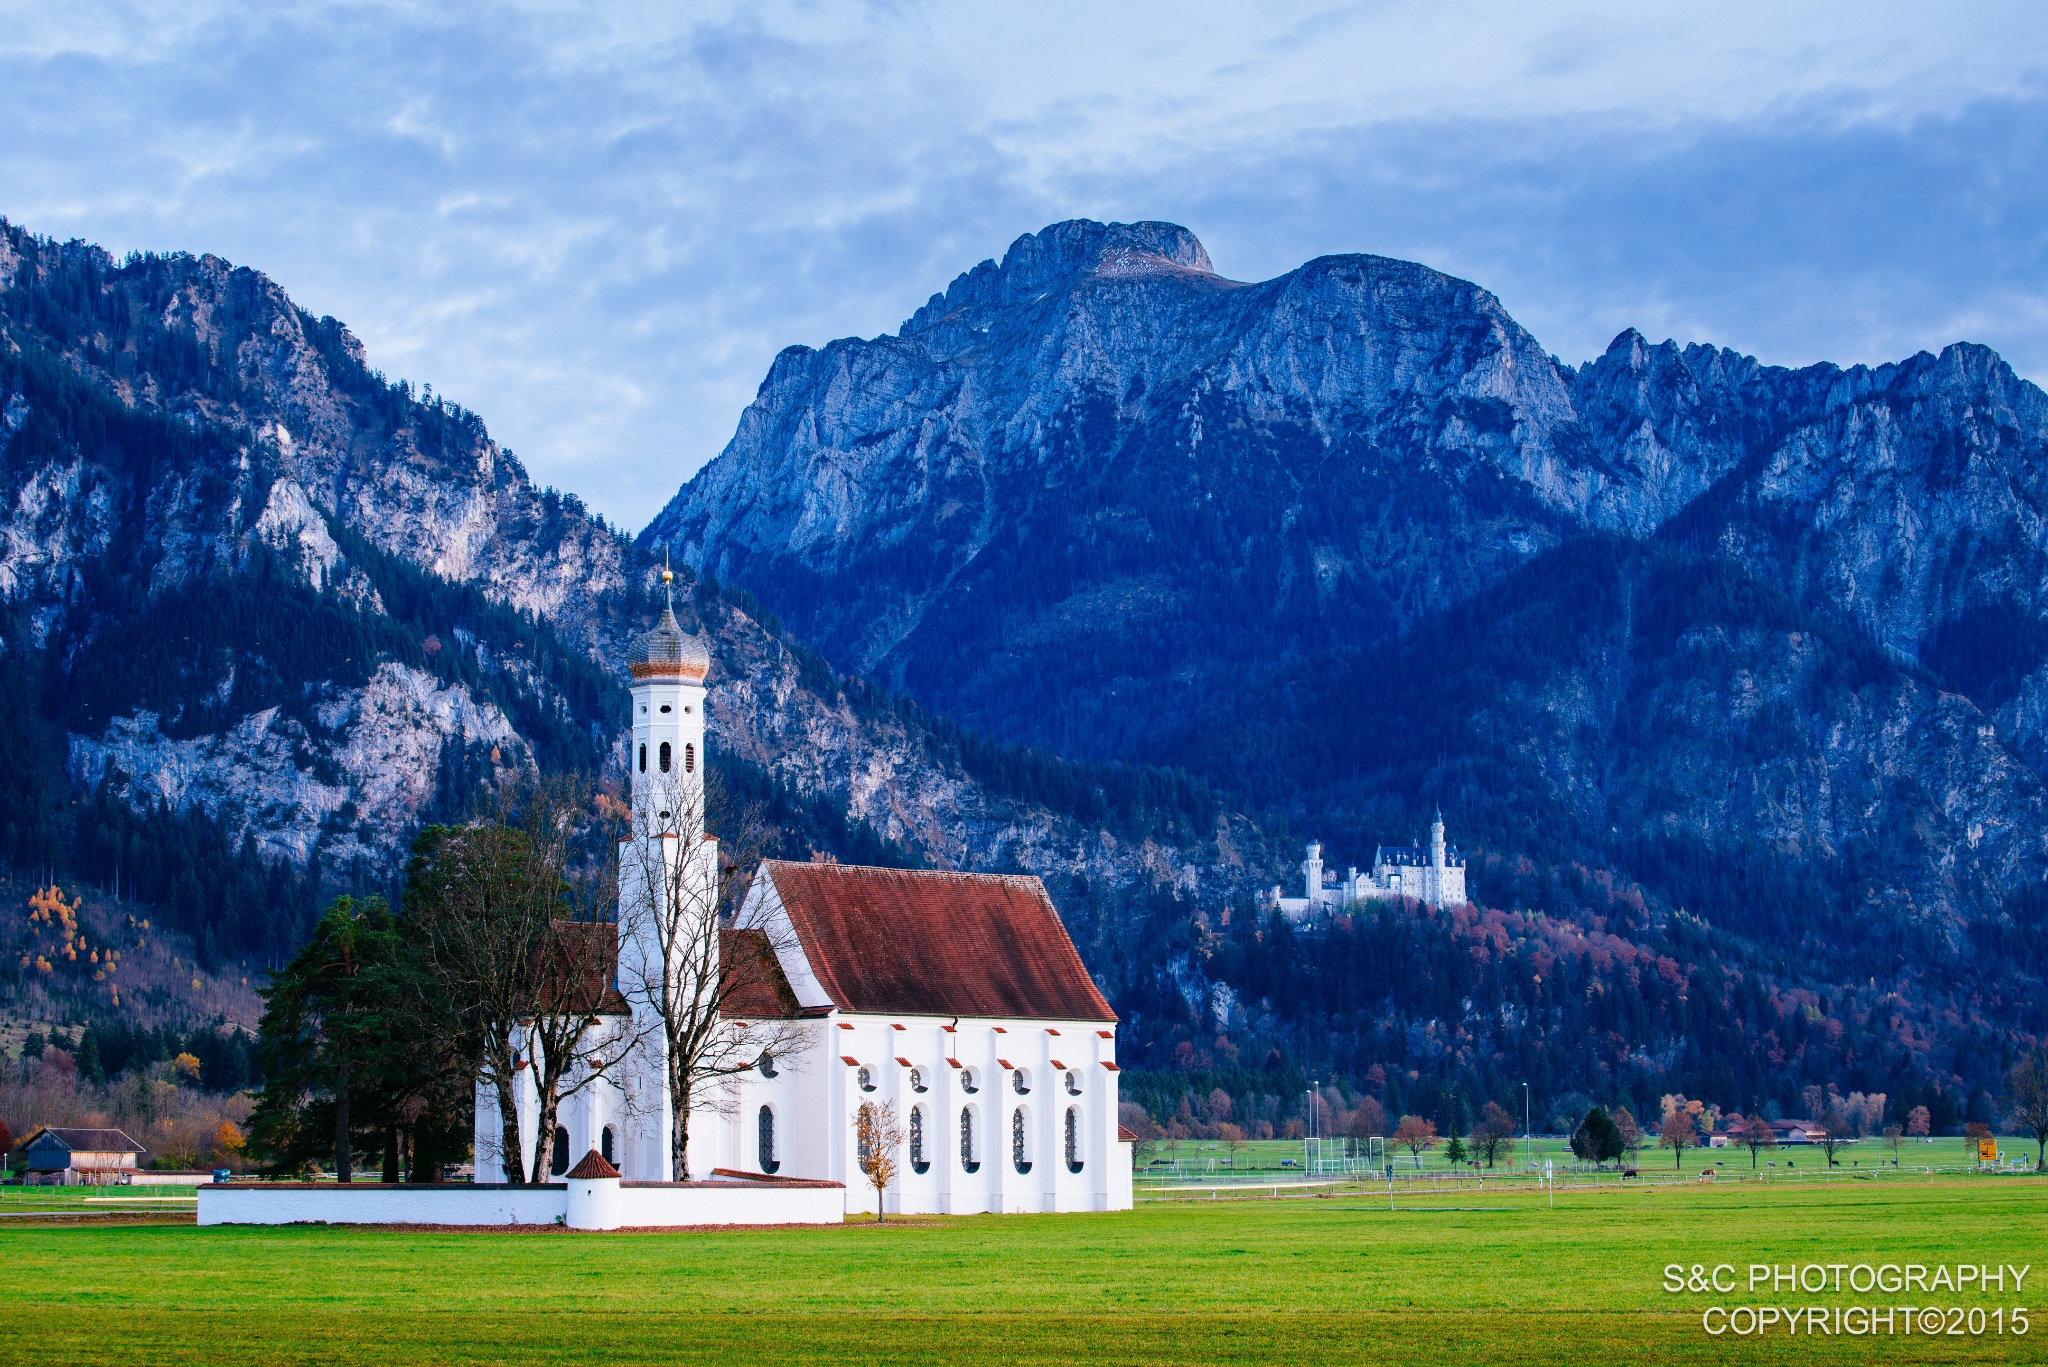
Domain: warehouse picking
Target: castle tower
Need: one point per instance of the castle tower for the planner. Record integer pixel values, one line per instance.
(1312, 873)
(668, 870)
(1436, 841)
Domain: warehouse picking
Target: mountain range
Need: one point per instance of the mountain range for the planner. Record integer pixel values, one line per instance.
(1731, 680)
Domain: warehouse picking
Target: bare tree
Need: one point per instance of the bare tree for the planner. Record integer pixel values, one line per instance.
(2026, 1101)
(571, 986)
(876, 1138)
(1631, 1134)
(1836, 1130)
(1494, 1132)
(714, 993)
(1755, 1135)
(1678, 1134)
(507, 914)
(1893, 1136)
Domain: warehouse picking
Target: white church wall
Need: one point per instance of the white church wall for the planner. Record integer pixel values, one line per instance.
(372, 1203)
(589, 1204)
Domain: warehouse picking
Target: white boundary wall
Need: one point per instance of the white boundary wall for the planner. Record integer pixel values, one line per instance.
(601, 1204)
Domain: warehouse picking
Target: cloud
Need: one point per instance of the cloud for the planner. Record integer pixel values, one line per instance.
(596, 226)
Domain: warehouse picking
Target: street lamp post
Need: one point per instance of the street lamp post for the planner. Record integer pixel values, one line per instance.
(1527, 1161)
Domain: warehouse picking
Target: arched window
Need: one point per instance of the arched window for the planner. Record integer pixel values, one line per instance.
(967, 1083)
(917, 1080)
(1019, 1155)
(1020, 1082)
(1073, 1084)
(767, 1064)
(968, 1161)
(918, 1162)
(1073, 1139)
(689, 758)
(643, 756)
(560, 1164)
(865, 1079)
(862, 1125)
(604, 1145)
(765, 1138)
(664, 757)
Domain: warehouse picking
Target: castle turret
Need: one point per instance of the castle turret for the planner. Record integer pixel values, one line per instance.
(1436, 840)
(1312, 873)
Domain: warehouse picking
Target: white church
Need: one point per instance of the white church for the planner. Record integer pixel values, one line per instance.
(958, 997)
(1435, 875)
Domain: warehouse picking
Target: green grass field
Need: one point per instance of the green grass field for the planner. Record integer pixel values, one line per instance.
(1205, 1160)
(1315, 1280)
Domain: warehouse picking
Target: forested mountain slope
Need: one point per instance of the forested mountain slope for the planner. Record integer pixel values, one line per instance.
(1697, 655)
(1100, 499)
(265, 612)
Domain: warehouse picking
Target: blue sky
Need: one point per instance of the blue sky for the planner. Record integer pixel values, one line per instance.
(595, 225)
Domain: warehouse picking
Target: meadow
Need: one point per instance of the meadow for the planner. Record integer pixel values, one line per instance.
(1330, 1279)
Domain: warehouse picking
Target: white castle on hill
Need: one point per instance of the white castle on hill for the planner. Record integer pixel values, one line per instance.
(1435, 875)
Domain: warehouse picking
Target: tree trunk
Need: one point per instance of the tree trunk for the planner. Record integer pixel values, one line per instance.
(390, 1173)
(344, 1170)
(544, 1137)
(508, 1132)
(679, 1131)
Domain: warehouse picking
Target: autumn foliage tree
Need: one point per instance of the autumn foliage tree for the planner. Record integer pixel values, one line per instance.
(876, 1138)
(1678, 1134)
(1416, 1135)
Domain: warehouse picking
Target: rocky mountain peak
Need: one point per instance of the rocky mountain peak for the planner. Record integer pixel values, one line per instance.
(1039, 263)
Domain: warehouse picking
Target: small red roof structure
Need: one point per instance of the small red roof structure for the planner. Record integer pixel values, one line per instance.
(920, 943)
(1125, 1134)
(593, 1165)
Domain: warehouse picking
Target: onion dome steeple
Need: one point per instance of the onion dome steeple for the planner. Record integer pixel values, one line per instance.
(666, 651)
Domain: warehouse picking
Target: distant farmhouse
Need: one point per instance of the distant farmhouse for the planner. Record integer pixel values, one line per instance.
(55, 1156)
(1435, 875)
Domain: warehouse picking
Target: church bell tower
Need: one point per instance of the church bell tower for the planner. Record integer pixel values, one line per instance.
(667, 759)
(668, 873)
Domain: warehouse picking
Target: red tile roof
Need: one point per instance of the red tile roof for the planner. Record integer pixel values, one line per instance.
(593, 1165)
(896, 941)
(755, 988)
(1125, 1134)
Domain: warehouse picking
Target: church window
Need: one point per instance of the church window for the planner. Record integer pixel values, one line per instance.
(643, 757)
(1019, 1155)
(968, 1162)
(967, 1082)
(918, 1162)
(1020, 1082)
(664, 757)
(765, 1136)
(1073, 1139)
(767, 1064)
(917, 1080)
(865, 1079)
(1073, 1084)
(604, 1145)
(664, 709)
(860, 1133)
(689, 758)
(560, 1164)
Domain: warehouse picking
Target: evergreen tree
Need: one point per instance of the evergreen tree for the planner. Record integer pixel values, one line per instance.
(1598, 1138)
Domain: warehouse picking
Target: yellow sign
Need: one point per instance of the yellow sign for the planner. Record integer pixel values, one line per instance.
(1987, 1150)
